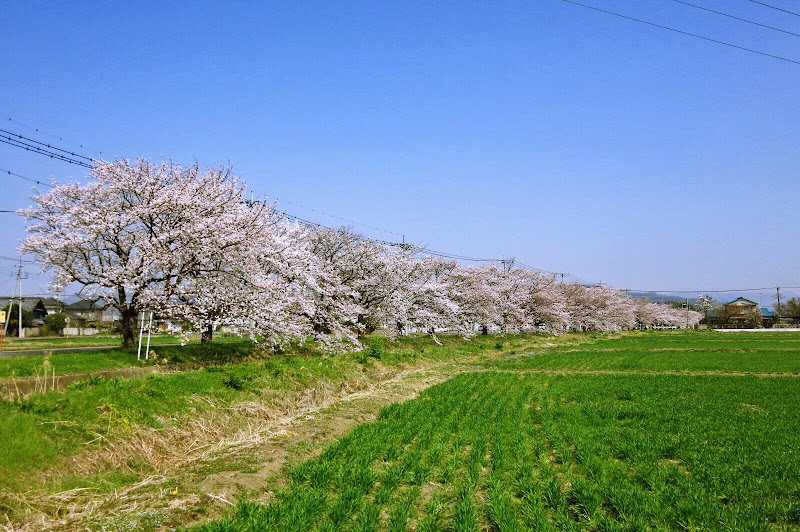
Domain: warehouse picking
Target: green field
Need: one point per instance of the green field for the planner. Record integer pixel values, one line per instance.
(222, 350)
(628, 431)
(39, 432)
(631, 433)
(667, 351)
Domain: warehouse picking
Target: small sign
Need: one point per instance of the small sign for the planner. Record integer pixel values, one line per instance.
(2, 316)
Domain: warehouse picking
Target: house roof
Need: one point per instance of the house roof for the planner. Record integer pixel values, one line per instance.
(28, 303)
(742, 301)
(52, 302)
(84, 304)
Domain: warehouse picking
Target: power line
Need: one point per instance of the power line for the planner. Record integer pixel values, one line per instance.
(41, 148)
(12, 259)
(751, 50)
(347, 220)
(39, 131)
(9, 172)
(737, 18)
(41, 151)
(417, 249)
(776, 8)
(47, 145)
(708, 291)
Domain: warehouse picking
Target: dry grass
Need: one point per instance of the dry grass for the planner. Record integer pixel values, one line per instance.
(220, 430)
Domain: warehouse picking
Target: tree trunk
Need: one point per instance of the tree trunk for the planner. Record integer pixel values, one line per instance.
(128, 324)
(208, 334)
(484, 330)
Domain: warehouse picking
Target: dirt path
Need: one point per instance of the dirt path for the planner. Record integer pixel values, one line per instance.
(201, 470)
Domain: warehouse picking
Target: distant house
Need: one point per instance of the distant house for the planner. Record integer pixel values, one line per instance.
(52, 305)
(743, 313)
(86, 313)
(33, 305)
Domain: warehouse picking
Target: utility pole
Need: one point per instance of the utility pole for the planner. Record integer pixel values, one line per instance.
(687, 312)
(507, 264)
(18, 290)
(778, 307)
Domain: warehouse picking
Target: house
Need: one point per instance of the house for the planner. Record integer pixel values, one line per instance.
(34, 305)
(87, 313)
(52, 305)
(741, 312)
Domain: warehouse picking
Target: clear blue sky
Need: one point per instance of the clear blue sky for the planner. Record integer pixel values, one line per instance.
(570, 139)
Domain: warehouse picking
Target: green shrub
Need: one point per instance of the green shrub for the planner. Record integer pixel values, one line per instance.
(235, 382)
(376, 348)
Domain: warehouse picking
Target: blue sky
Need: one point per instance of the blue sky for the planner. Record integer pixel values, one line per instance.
(570, 139)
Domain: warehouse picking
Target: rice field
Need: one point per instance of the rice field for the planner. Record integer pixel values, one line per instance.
(672, 431)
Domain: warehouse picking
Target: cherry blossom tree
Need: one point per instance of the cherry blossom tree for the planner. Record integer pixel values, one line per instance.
(475, 292)
(185, 243)
(164, 237)
(363, 281)
(425, 303)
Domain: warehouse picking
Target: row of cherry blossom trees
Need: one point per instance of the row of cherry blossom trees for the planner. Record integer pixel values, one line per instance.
(186, 243)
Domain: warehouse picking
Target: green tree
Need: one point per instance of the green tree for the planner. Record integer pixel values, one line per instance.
(13, 320)
(790, 308)
(55, 322)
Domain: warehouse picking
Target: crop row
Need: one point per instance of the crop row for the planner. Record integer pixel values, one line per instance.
(514, 452)
(680, 351)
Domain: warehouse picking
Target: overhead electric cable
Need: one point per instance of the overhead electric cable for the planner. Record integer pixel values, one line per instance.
(18, 260)
(9, 172)
(707, 291)
(420, 249)
(725, 43)
(776, 8)
(46, 145)
(7, 139)
(40, 131)
(737, 18)
(347, 220)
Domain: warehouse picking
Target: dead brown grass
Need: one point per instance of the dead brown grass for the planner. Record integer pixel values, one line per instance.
(262, 431)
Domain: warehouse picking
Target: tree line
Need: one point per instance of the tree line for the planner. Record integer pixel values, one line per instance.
(186, 243)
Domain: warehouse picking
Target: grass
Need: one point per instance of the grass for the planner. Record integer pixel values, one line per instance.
(632, 431)
(669, 351)
(53, 342)
(39, 433)
(94, 361)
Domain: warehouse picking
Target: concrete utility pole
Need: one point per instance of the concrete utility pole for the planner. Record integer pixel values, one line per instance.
(778, 307)
(687, 312)
(20, 332)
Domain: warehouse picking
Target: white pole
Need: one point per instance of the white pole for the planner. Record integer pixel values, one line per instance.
(20, 332)
(141, 330)
(149, 328)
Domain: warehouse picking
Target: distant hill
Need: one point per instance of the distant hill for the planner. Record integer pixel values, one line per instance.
(655, 297)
